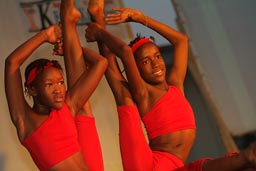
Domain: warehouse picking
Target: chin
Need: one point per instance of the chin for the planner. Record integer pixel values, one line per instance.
(58, 105)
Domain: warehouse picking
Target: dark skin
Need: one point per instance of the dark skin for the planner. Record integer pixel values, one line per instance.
(148, 60)
(146, 75)
(48, 91)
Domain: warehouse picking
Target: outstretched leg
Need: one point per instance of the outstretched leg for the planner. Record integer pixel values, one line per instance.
(75, 66)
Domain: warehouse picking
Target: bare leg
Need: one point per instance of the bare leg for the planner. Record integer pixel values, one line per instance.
(75, 66)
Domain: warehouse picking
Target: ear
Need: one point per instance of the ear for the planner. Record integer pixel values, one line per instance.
(32, 91)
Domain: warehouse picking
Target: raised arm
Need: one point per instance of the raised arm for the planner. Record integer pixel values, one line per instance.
(123, 51)
(17, 104)
(114, 77)
(177, 39)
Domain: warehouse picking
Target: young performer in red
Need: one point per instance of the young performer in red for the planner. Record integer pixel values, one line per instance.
(47, 129)
(161, 104)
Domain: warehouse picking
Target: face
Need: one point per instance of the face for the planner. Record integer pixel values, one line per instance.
(150, 64)
(50, 88)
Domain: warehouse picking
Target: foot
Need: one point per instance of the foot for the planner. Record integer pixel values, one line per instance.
(96, 10)
(68, 11)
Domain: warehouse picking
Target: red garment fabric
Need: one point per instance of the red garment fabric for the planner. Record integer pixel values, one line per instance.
(171, 113)
(135, 151)
(89, 142)
(54, 141)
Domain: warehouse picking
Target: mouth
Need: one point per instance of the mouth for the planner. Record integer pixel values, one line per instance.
(158, 72)
(58, 99)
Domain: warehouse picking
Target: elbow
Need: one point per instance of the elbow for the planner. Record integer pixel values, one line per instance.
(184, 38)
(8, 64)
(11, 62)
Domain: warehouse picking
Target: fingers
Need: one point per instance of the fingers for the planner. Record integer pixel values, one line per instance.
(118, 9)
(58, 47)
(113, 20)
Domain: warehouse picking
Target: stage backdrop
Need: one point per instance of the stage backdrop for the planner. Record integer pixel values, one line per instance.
(20, 19)
(222, 41)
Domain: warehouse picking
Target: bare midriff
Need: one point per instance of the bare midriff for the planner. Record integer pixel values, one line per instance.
(177, 143)
(74, 162)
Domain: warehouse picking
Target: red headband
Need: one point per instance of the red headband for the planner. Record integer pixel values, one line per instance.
(139, 43)
(35, 71)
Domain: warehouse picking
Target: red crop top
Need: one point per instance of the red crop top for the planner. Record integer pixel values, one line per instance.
(55, 140)
(171, 113)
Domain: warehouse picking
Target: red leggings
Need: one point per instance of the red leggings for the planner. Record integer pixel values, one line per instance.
(135, 151)
(89, 142)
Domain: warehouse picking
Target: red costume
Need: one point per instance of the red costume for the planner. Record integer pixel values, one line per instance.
(60, 136)
(135, 151)
(54, 141)
(89, 142)
(171, 113)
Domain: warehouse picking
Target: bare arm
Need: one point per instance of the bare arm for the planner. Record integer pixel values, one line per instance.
(17, 104)
(115, 79)
(122, 50)
(178, 39)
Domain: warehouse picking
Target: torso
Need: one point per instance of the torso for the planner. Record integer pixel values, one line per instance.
(33, 123)
(74, 162)
(178, 143)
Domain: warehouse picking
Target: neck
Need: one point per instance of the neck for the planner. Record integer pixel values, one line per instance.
(41, 109)
(163, 86)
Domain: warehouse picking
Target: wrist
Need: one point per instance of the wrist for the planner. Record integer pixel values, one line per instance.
(43, 35)
(145, 21)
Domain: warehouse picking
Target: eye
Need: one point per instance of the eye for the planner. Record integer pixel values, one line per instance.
(48, 84)
(61, 82)
(158, 56)
(145, 62)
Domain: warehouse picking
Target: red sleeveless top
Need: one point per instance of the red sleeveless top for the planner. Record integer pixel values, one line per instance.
(171, 113)
(54, 141)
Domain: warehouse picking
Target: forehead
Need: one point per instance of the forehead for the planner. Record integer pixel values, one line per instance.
(147, 49)
(52, 73)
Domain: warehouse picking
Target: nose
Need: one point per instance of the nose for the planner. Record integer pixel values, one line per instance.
(56, 89)
(154, 63)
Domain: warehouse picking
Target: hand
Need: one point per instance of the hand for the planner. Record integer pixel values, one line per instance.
(92, 32)
(124, 15)
(54, 36)
(53, 33)
(58, 48)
